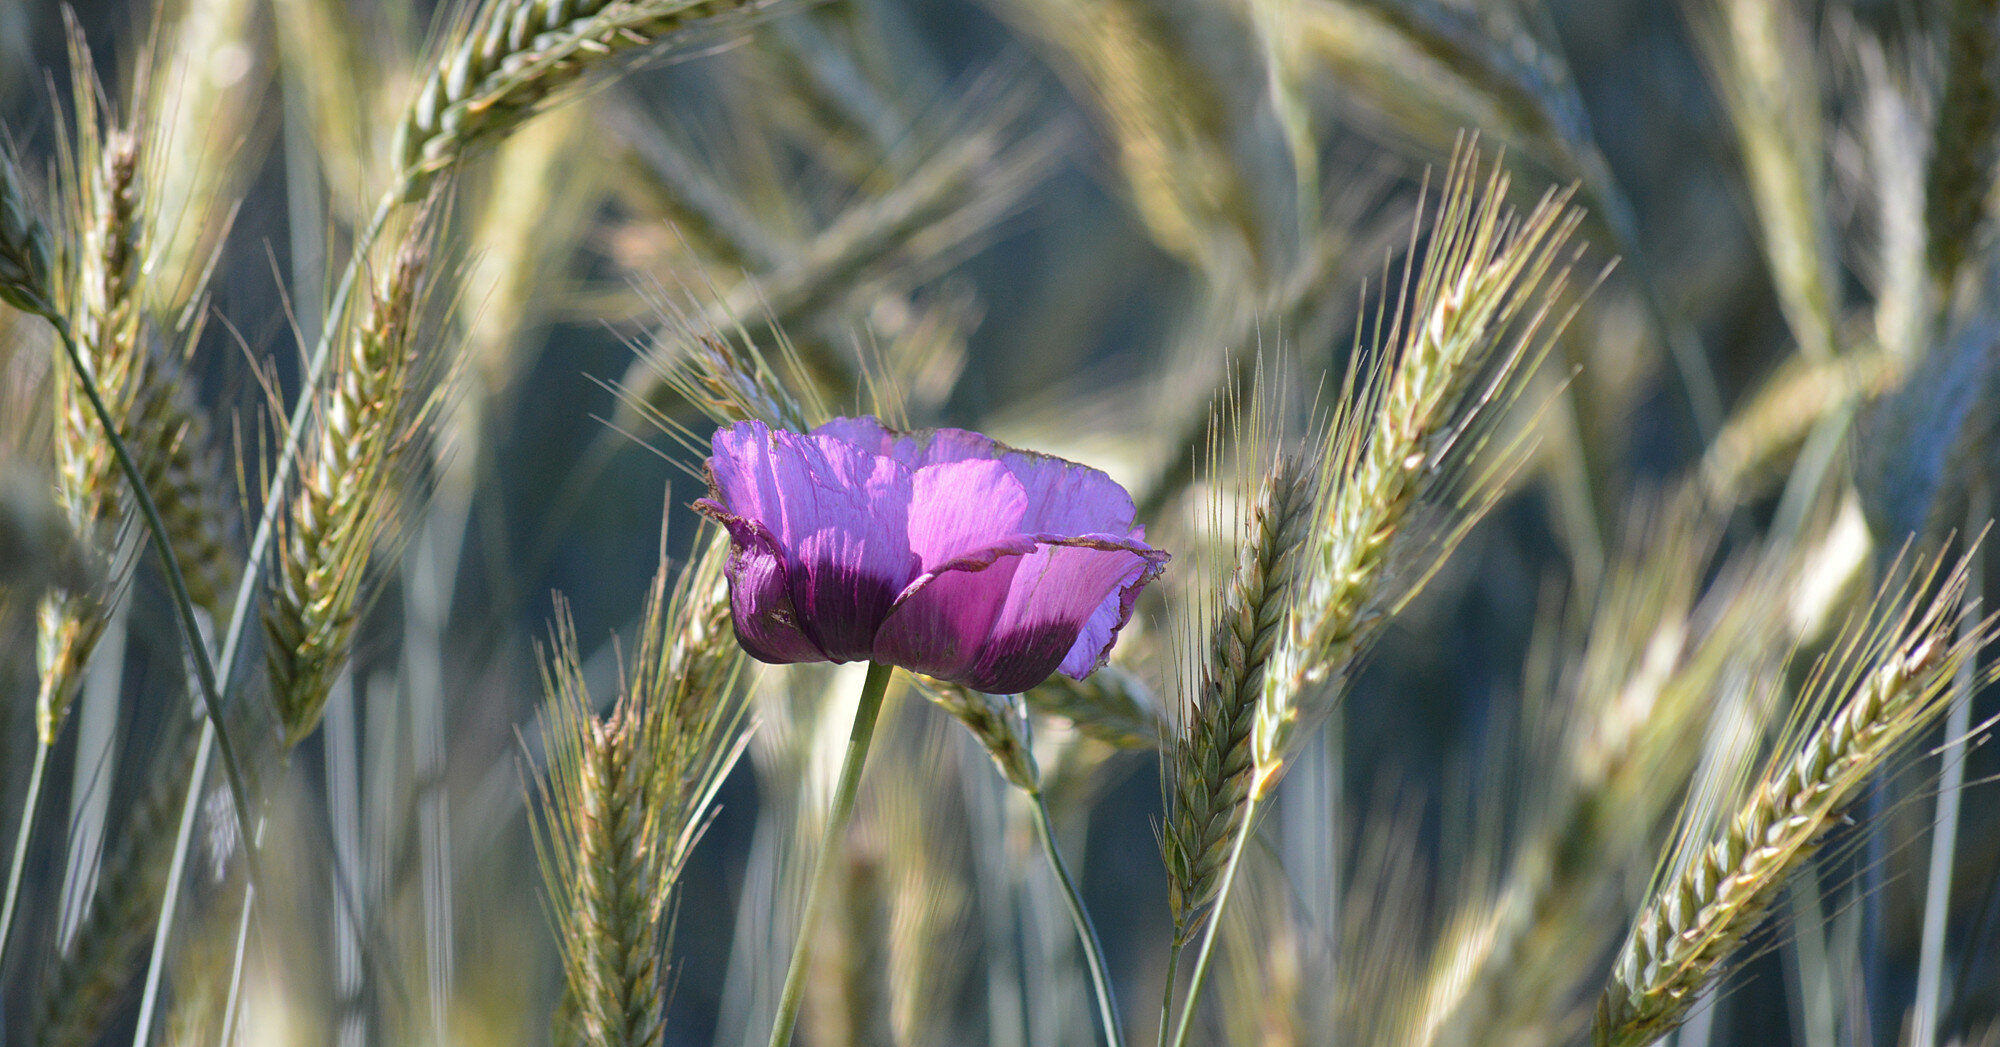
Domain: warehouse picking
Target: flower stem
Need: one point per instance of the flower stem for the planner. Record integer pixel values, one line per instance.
(1093, 949)
(1208, 933)
(1167, 996)
(872, 690)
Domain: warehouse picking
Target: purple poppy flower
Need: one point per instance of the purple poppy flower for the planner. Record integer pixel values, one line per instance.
(939, 551)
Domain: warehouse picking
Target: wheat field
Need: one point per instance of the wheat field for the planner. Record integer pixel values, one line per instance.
(1559, 444)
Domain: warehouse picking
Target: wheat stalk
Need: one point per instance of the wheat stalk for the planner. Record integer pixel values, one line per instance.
(1881, 686)
(1393, 443)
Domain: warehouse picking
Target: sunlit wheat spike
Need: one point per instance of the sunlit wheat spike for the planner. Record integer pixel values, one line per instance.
(1676, 652)
(627, 796)
(513, 56)
(1212, 771)
(1884, 683)
(80, 990)
(372, 413)
(98, 290)
(1470, 321)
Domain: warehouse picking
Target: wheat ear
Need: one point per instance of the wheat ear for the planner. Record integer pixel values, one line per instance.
(184, 470)
(627, 796)
(1212, 770)
(999, 722)
(102, 308)
(346, 494)
(514, 56)
(1882, 686)
(1761, 61)
(1111, 705)
(1661, 663)
(1399, 439)
(1213, 765)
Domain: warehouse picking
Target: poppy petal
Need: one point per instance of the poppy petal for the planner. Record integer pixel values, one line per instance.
(837, 515)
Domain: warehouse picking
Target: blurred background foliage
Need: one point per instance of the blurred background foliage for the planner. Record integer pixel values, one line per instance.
(1066, 223)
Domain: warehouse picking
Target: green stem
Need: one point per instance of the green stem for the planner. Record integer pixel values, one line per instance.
(872, 690)
(1093, 949)
(1167, 996)
(21, 837)
(1208, 933)
(170, 564)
